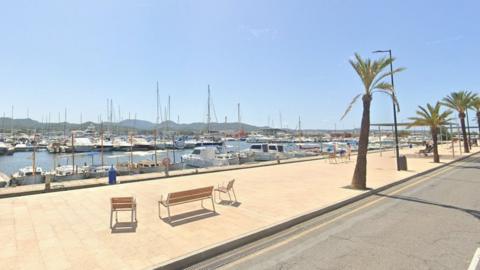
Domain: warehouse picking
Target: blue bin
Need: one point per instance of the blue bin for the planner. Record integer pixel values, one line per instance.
(112, 176)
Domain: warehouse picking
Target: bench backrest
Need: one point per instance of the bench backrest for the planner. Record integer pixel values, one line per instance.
(190, 195)
(230, 184)
(123, 202)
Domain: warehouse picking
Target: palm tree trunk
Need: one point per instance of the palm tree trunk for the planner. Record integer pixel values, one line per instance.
(359, 180)
(436, 156)
(464, 133)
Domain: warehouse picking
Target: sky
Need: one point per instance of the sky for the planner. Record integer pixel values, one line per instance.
(274, 57)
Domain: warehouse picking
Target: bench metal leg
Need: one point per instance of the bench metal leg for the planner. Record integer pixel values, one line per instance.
(159, 210)
(234, 195)
(213, 204)
(169, 216)
(111, 219)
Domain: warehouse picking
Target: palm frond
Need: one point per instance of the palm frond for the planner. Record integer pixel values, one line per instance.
(349, 108)
(430, 116)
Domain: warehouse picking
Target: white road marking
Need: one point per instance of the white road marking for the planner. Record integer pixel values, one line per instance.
(474, 265)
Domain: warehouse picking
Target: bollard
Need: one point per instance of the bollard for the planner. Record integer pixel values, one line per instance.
(278, 159)
(112, 176)
(48, 180)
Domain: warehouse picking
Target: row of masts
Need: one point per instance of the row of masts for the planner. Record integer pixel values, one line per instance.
(161, 116)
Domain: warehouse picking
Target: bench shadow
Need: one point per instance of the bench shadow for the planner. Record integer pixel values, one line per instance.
(189, 217)
(229, 203)
(474, 213)
(124, 227)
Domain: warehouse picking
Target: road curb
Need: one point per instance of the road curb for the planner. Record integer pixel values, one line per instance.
(210, 252)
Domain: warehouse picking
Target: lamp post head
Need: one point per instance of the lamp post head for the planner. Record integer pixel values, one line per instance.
(382, 51)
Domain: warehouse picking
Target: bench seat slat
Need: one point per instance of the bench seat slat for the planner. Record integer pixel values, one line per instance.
(188, 196)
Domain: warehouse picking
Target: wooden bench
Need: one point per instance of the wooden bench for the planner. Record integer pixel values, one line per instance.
(186, 196)
(425, 152)
(123, 204)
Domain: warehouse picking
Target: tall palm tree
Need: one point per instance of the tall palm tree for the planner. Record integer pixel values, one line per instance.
(460, 101)
(373, 76)
(476, 106)
(433, 118)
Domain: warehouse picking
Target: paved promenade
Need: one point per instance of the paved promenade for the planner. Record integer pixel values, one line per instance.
(70, 230)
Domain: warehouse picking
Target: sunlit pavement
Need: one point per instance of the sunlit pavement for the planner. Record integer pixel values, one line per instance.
(70, 230)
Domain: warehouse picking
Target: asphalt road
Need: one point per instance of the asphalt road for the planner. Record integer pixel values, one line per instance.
(432, 222)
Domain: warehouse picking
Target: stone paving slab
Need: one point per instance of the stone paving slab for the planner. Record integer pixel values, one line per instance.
(70, 230)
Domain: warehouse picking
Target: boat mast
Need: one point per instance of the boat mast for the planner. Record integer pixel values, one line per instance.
(156, 126)
(73, 152)
(281, 120)
(208, 113)
(168, 116)
(101, 140)
(34, 169)
(239, 119)
(65, 124)
(111, 116)
(299, 127)
(11, 122)
(3, 123)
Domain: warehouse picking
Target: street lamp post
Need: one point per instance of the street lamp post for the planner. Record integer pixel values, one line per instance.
(468, 128)
(394, 106)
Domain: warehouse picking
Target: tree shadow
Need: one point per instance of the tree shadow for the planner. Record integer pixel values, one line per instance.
(189, 217)
(352, 188)
(464, 166)
(474, 213)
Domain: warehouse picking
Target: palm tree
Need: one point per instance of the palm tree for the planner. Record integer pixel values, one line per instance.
(373, 78)
(432, 118)
(476, 106)
(460, 101)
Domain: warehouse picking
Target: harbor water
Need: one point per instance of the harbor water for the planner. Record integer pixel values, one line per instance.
(48, 161)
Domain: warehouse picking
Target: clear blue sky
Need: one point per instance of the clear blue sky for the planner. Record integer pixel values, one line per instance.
(271, 56)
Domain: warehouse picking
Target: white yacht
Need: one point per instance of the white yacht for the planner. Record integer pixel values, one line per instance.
(121, 145)
(68, 172)
(25, 176)
(4, 180)
(82, 145)
(141, 144)
(268, 152)
(22, 147)
(202, 157)
(3, 148)
(107, 145)
(256, 138)
(148, 166)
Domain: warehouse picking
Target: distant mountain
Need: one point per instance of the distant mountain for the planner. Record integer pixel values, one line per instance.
(192, 127)
(29, 124)
(140, 125)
